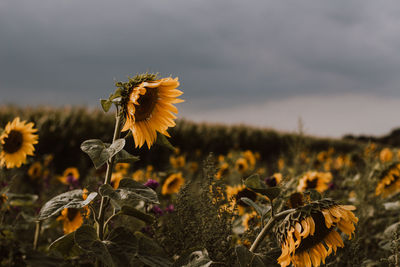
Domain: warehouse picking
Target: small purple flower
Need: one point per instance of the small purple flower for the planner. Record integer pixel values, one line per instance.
(157, 210)
(153, 184)
(170, 208)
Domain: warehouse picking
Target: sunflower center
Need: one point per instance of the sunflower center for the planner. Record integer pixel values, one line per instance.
(71, 214)
(321, 231)
(147, 102)
(311, 184)
(173, 183)
(13, 142)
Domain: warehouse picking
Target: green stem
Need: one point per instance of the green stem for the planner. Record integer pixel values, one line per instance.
(267, 227)
(110, 165)
(37, 234)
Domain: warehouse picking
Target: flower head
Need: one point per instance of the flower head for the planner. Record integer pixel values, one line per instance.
(72, 218)
(314, 180)
(241, 165)
(70, 177)
(35, 170)
(172, 184)
(309, 234)
(148, 107)
(234, 195)
(389, 183)
(274, 180)
(16, 143)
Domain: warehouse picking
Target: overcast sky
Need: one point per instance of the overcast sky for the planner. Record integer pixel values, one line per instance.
(334, 64)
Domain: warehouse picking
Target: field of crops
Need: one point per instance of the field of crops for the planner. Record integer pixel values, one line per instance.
(76, 191)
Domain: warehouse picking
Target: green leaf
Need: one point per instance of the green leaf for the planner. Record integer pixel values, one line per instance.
(85, 236)
(71, 199)
(163, 141)
(147, 218)
(66, 245)
(107, 190)
(105, 104)
(124, 157)
(124, 238)
(129, 189)
(261, 210)
(101, 252)
(21, 200)
(254, 183)
(150, 253)
(247, 258)
(199, 259)
(99, 153)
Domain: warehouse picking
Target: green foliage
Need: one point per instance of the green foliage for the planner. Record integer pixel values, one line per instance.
(99, 153)
(71, 199)
(254, 183)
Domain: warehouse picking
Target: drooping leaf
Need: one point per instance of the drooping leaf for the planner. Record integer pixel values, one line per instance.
(107, 190)
(84, 236)
(100, 251)
(254, 183)
(105, 104)
(125, 157)
(163, 141)
(150, 253)
(99, 152)
(130, 190)
(70, 199)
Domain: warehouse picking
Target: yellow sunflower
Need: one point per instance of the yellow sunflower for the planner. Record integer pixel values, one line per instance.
(241, 165)
(116, 177)
(235, 193)
(122, 167)
(389, 183)
(70, 176)
(139, 176)
(149, 109)
(172, 184)
(274, 180)
(314, 180)
(72, 218)
(251, 219)
(17, 142)
(309, 234)
(222, 171)
(35, 170)
(177, 162)
(250, 157)
(386, 155)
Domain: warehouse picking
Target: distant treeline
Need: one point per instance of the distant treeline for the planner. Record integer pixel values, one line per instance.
(62, 130)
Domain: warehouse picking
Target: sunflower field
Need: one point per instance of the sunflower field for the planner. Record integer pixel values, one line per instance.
(131, 184)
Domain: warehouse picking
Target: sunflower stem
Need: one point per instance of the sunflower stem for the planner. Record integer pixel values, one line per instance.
(37, 234)
(110, 166)
(267, 227)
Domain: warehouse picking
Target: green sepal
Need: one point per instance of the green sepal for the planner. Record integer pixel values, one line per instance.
(99, 152)
(254, 183)
(105, 104)
(163, 141)
(70, 199)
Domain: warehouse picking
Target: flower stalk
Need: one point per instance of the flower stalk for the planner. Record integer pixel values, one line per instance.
(267, 227)
(110, 166)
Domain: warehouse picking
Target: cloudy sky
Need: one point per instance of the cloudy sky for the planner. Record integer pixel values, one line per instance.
(334, 64)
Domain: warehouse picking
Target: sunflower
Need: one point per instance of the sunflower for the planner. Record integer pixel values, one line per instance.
(116, 177)
(389, 183)
(16, 143)
(70, 176)
(250, 157)
(274, 180)
(177, 162)
(122, 167)
(72, 218)
(314, 180)
(386, 155)
(172, 184)
(251, 219)
(241, 165)
(148, 109)
(35, 170)
(223, 171)
(235, 193)
(309, 234)
(138, 176)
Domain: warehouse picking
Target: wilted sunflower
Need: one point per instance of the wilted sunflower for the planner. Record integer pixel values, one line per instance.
(314, 180)
(17, 142)
(172, 184)
(148, 108)
(389, 183)
(308, 235)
